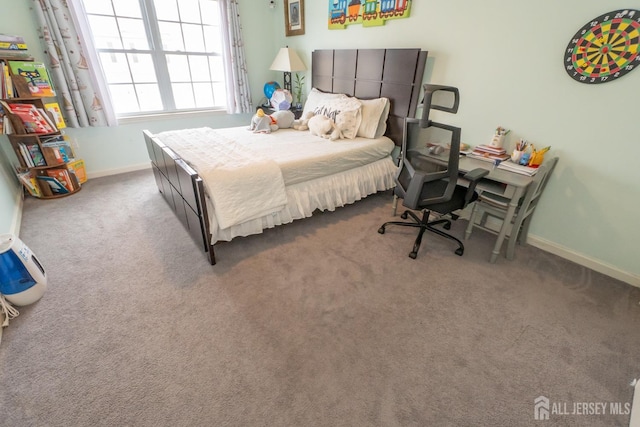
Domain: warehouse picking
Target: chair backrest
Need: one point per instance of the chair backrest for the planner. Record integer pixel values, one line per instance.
(424, 176)
(538, 184)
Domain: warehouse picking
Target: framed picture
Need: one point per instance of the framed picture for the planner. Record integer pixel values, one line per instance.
(294, 17)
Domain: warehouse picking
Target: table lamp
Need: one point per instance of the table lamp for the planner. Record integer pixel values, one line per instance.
(287, 60)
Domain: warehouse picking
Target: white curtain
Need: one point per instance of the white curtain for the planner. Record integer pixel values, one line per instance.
(235, 63)
(73, 64)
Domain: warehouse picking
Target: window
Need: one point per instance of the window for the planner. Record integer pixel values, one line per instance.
(159, 55)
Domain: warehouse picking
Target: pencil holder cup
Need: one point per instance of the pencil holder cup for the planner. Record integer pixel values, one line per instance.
(515, 156)
(536, 159)
(497, 141)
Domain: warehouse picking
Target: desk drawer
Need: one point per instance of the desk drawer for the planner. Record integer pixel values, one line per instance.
(495, 187)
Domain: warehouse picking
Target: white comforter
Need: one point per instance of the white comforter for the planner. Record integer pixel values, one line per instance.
(303, 157)
(241, 183)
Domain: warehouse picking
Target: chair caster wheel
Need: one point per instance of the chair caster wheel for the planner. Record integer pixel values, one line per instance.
(413, 255)
(404, 215)
(381, 230)
(447, 226)
(459, 251)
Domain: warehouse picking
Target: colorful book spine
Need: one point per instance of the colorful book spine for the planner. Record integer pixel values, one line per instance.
(7, 85)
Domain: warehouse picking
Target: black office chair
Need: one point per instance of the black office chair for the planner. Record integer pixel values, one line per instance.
(427, 181)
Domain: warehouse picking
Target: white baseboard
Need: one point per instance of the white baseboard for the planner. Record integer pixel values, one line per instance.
(117, 171)
(584, 260)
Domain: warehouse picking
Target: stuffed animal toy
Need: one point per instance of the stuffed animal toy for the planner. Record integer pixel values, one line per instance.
(325, 127)
(261, 123)
(303, 122)
(284, 119)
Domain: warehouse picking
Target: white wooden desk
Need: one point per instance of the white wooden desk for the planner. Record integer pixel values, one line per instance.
(501, 182)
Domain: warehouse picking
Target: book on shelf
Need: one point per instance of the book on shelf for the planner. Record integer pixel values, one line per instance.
(3, 116)
(36, 155)
(31, 117)
(47, 118)
(9, 42)
(7, 85)
(77, 166)
(54, 110)
(52, 155)
(54, 186)
(7, 127)
(20, 55)
(62, 175)
(521, 169)
(26, 157)
(13, 47)
(36, 76)
(30, 183)
(60, 147)
(31, 154)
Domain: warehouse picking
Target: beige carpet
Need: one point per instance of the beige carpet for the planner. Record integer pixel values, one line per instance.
(322, 322)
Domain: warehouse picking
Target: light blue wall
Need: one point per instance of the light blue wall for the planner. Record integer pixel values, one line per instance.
(10, 191)
(9, 195)
(506, 59)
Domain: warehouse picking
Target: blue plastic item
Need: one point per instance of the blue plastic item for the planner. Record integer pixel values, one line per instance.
(22, 277)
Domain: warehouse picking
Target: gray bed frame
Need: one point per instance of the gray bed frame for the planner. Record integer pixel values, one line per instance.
(363, 73)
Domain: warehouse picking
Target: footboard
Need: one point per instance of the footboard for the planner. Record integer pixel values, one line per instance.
(183, 190)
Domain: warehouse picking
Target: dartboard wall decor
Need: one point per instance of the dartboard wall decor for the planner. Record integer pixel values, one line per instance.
(605, 48)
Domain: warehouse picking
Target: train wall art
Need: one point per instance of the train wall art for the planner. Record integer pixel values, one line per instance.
(369, 13)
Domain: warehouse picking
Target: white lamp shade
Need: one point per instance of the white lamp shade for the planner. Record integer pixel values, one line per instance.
(287, 60)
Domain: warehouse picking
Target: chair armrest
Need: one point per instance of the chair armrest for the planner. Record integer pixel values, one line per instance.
(476, 174)
(473, 177)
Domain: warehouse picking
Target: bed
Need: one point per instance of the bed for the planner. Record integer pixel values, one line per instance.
(302, 173)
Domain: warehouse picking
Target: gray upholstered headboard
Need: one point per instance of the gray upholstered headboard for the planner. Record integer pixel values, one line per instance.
(371, 73)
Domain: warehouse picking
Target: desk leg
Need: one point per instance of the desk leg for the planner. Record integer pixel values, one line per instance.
(508, 218)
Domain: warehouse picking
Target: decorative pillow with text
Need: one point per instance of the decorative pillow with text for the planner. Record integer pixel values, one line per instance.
(345, 111)
(317, 98)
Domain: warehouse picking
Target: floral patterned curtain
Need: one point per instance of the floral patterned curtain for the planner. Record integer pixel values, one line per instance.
(238, 91)
(78, 87)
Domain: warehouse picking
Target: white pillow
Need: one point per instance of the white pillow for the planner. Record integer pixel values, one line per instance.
(345, 111)
(374, 117)
(316, 98)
